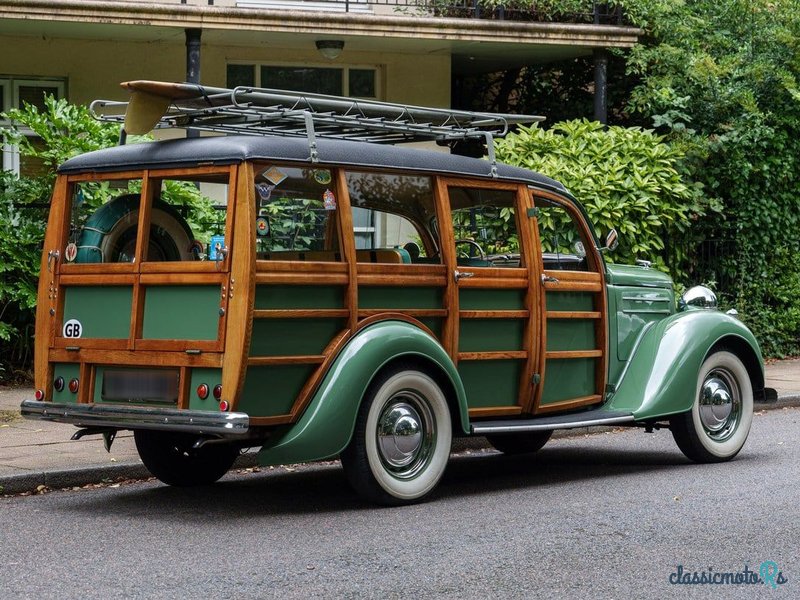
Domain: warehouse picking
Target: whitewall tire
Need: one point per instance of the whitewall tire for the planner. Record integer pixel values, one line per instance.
(402, 438)
(716, 427)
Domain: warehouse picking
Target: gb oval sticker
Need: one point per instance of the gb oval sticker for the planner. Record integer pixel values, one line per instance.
(72, 329)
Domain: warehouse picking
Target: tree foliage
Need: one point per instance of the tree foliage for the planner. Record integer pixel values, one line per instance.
(626, 178)
(725, 78)
(64, 131)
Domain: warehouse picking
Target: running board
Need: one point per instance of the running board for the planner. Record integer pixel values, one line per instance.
(589, 418)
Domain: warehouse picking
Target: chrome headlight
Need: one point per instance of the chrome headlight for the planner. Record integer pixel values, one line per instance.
(698, 296)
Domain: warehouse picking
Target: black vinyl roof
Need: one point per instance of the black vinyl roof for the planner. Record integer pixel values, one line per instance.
(235, 149)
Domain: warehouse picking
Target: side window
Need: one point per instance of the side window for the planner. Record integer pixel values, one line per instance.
(485, 227)
(296, 210)
(392, 217)
(564, 245)
(104, 217)
(187, 218)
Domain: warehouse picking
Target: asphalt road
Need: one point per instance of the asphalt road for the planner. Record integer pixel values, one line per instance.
(602, 516)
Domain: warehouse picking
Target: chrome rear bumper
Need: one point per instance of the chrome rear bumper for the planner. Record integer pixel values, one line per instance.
(224, 424)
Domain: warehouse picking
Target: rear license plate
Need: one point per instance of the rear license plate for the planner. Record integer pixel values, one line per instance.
(140, 386)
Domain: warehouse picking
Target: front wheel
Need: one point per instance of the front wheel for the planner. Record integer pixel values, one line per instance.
(170, 458)
(401, 441)
(716, 427)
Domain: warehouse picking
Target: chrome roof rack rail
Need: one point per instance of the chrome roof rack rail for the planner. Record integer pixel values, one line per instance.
(248, 110)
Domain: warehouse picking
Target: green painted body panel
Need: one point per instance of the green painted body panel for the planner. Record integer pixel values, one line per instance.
(394, 297)
(271, 390)
(662, 376)
(491, 299)
(635, 307)
(211, 377)
(628, 275)
(326, 426)
(298, 297)
(565, 379)
(570, 301)
(286, 337)
(432, 323)
(104, 312)
(485, 335)
(181, 312)
(571, 334)
(491, 382)
(67, 371)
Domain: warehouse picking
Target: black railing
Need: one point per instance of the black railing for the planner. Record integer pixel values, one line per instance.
(513, 10)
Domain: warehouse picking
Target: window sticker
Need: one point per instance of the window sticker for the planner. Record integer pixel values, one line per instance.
(71, 252)
(264, 191)
(262, 227)
(274, 175)
(329, 200)
(215, 247)
(322, 176)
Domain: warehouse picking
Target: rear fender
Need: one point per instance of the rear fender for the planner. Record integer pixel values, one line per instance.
(661, 377)
(326, 426)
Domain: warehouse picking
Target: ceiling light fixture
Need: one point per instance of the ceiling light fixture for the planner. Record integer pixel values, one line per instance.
(330, 49)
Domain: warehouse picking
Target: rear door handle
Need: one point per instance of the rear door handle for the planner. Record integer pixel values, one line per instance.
(462, 275)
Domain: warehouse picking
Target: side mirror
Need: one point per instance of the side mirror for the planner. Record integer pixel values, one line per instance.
(611, 242)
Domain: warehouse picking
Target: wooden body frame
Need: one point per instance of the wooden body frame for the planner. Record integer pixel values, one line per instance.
(240, 274)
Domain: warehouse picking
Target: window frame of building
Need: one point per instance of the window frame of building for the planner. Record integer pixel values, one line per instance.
(9, 99)
(345, 68)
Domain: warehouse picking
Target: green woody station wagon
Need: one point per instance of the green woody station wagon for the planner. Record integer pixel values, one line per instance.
(305, 286)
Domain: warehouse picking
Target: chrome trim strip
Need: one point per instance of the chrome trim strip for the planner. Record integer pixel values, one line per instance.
(479, 429)
(225, 424)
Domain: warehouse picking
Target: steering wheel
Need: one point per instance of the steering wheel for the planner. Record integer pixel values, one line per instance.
(473, 245)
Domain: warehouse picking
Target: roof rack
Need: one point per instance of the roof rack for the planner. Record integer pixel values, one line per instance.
(263, 111)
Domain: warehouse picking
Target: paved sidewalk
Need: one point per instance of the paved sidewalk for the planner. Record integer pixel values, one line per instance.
(39, 453)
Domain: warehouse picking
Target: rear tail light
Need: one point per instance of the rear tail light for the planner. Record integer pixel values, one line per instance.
(58, 384)
(73, 386)
(223, 406)
(218, 391)
(39, 395)
(202, 391)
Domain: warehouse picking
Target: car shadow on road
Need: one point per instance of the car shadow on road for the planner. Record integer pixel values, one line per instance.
(322, 488)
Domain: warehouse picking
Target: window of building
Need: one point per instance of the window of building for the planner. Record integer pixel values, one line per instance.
(14, 93)
(358, 82)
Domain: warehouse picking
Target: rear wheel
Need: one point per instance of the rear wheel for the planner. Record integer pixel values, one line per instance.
(520, 443)
(170, 457)
(716, 427)
(401, 441)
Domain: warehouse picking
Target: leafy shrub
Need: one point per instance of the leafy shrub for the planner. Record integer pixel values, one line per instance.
(64, 130)
(626, 178)
(767, 300)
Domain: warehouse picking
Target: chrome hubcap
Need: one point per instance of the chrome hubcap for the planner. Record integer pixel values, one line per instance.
(720, 405)
(405, 434)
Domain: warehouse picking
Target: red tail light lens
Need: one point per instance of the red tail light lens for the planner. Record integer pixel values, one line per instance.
(73, 386)
(202, 391)
(58, 384)
(39, 395)
(218, 391)
(223, 406)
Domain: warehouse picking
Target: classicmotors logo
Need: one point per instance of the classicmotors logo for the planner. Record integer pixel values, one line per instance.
(768, 574)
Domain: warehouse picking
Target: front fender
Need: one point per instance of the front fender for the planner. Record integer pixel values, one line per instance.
(661, 378)
(326, 426)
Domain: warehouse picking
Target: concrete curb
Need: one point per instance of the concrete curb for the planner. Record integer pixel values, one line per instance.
(80, 476)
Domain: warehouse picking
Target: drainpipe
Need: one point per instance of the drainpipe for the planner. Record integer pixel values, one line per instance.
(601, 86)
(193, 65)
